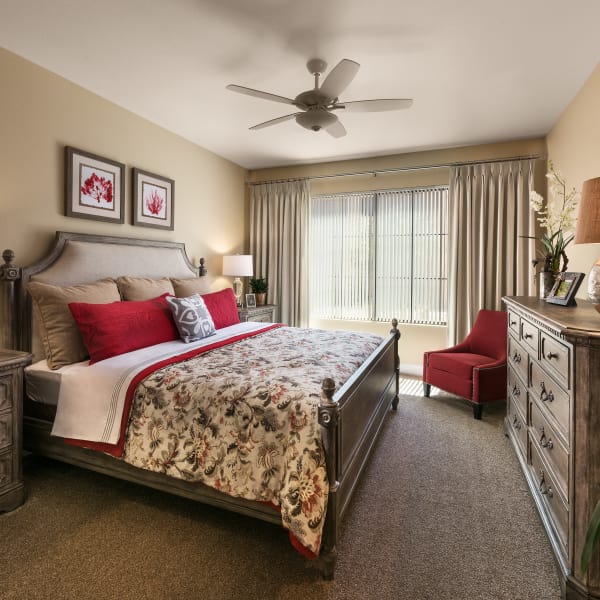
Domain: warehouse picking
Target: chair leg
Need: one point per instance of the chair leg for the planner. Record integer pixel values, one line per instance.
(426, 389)
(477, 410)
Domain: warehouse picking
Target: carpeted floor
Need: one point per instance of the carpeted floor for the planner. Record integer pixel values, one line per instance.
(442, 513)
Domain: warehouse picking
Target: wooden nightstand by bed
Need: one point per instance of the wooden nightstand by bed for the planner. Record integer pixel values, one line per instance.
(11, 427)
(263, 314)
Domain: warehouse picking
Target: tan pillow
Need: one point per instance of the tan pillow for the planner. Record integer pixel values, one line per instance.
(144, 288)
(60, 335)
(190, 286)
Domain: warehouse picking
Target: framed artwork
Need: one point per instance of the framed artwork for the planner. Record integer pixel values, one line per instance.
(153, 200)
(250, 300)
(94, 187)
(564, 289)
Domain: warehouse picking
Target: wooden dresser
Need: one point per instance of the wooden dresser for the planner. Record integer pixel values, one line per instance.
(553, 421)
(11, 426)
(264, 313)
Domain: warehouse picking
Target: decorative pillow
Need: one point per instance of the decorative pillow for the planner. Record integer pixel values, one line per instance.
(190, 286)
(144, 288)
(60, 336)
(222, 308)
(191, 317)
(119, 327)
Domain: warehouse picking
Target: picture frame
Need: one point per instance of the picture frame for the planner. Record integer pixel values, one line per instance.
(153, 200)
(564, 289)
(94, 187)
(250, 300)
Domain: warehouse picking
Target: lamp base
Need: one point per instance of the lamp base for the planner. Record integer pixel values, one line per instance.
(594, 284)
(238, 288)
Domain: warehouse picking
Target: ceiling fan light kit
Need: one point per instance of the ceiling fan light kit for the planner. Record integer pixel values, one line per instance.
(316, 105)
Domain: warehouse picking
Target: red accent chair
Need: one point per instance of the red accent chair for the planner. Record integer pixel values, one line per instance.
(474, 369)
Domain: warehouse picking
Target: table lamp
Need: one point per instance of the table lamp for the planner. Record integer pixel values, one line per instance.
(238, 265)
(588, 232)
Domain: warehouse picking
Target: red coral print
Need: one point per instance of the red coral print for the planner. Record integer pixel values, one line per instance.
(98, 188)
(154, 203)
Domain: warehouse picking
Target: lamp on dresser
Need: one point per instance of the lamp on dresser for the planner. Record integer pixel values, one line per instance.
(588, 232)
(238, 265)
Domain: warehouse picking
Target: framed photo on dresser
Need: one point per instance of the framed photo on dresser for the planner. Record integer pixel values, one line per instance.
(564, 289)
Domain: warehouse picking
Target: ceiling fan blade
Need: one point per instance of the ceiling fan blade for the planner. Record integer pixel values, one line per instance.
(336, 130)
(258, 94)
(275, 121)
(339, 78)
(376, 105)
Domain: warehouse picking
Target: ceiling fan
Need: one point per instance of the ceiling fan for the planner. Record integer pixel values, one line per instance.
(317, 105)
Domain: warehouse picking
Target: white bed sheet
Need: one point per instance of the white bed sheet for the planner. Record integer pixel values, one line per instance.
(91, 398)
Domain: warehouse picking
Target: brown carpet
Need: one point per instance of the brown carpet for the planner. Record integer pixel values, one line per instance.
(442, 512)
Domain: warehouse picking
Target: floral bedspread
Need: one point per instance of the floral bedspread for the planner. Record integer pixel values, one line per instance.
(243, 419)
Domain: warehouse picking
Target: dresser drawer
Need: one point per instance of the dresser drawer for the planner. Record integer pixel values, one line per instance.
(557, 357)
(6, 433)
(514, 321)
(530, 336)
(517, 391)
(518, 358)
(555, 506)
(6, 468)
(550, 446)
(545, 389)
(518, 425)
(6, 383)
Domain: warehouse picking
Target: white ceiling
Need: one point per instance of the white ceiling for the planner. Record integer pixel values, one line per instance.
(478, 71)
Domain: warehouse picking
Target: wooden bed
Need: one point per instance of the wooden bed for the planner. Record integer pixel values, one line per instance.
(351, 416)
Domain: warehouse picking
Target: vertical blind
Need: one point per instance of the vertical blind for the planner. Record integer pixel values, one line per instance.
(380, 255)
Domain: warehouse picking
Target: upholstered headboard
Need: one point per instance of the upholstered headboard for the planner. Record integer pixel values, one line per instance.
(84, 258)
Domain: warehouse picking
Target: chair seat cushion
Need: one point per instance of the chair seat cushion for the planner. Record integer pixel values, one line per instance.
(460, 364)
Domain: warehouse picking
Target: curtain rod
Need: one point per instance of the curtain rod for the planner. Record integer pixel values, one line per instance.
(376, 172)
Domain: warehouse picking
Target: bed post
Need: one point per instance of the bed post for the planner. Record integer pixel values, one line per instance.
(9, 275)
(396, 333)
(328, 419)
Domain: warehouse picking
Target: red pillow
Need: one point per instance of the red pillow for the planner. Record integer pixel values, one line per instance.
(222, 308)
(118, 327)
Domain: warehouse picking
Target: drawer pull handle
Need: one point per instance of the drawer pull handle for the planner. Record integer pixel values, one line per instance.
(516, 391)
(513, 322)
(527, 336)
(544, 487)
(516, 357)
(516, 423)
(546, 396)
(551, 355)
(544, 441)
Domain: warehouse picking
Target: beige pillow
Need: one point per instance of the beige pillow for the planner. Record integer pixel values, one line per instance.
(60, 335)
(144, 288)
(190, 286)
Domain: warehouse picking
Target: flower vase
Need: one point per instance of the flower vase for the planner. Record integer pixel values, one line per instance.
(547, 279)
(261, 298)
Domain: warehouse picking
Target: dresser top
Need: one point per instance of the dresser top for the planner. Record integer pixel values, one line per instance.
(582, 319)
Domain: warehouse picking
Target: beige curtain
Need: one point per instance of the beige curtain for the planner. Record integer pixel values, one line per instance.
(489, 255)
(279, 245)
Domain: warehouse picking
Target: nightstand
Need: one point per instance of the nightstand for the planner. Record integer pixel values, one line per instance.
(263, 314)
(12, 364)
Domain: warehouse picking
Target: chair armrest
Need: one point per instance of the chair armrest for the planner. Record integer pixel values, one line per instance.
(489, 381)
(462, 347)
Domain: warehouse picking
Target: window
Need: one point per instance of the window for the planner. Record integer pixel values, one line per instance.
(380, 255)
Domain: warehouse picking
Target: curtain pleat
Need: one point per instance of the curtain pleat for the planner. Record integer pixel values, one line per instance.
(490, 256)
(279, 244)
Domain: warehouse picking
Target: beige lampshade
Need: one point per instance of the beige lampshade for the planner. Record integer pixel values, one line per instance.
(237, 265)
(588, 222)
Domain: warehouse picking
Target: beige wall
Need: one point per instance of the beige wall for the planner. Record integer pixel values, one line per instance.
(42, 113)
(574, 146)
(415, 338)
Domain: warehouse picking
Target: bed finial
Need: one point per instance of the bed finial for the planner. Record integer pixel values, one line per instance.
(9, 275)
(202, 270)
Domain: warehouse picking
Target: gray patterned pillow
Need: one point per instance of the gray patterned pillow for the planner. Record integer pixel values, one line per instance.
(191, 317)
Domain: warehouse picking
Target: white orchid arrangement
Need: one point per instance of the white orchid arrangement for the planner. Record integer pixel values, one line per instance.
(557, 218)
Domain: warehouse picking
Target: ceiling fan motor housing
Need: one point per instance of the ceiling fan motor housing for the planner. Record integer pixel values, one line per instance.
(316, 119)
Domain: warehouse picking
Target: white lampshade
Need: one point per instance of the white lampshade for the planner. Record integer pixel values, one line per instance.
(238, 265)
